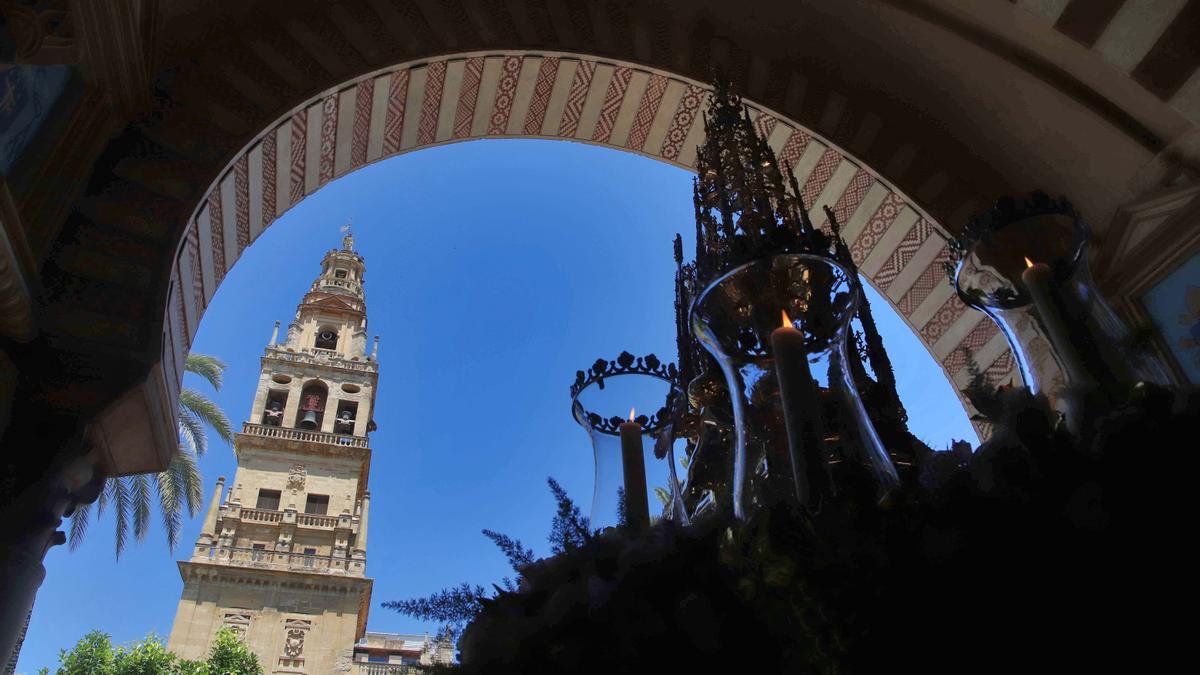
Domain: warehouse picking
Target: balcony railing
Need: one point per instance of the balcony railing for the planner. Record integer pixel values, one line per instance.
(261, 515)
(313, 520)
(326, 282)
(271, 517)
(389, 669)
(289, 434)
(283, 560)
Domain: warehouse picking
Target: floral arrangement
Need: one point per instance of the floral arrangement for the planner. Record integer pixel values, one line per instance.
(1040, 547)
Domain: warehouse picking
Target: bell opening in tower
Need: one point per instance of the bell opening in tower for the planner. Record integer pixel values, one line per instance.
(327, 338)
(273, 411)
(312, 406)
(347, 414)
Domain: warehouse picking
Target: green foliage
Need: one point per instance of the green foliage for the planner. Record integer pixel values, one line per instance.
(663, 495)
(209, 367)
(453, 606)
(518, 556)
(230, 656)
(94, 654)
(570, 529)
(147, 657)
(180, 487)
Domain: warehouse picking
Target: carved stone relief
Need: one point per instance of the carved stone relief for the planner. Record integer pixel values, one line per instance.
(238, 622)
(293, 643)
(296, 477)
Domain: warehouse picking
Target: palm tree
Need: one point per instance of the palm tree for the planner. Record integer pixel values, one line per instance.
(180, 485)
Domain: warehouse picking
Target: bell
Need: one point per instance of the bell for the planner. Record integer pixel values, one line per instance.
(309, 421)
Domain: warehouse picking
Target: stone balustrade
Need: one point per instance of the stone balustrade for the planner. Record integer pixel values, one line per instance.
(316, 521)
(363, 668)
(286, 560)
(347, 284)
(261, 515)
(290, 434)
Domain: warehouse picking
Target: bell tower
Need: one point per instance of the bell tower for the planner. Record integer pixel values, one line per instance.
(281, 557)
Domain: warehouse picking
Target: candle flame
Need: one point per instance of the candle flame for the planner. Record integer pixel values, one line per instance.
(787, 321)
(630, 415)
(1028, 262)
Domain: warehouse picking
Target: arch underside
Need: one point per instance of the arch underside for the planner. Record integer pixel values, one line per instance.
(560, 96)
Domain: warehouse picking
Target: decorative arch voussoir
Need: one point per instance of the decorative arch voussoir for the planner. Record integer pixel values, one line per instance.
(539, 95)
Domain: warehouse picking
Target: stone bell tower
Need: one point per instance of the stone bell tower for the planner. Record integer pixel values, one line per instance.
(281, 557)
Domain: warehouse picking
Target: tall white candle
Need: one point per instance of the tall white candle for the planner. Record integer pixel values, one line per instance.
(637, 508)
(800, 399)
(1039, 281)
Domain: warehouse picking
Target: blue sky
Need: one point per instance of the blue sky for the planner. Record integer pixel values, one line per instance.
(495, 270)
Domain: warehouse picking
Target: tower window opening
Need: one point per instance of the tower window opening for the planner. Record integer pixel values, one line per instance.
(273, 411)
(326, 338)
(347, 413)
(317, 505)
(268, 500)
(340, 274)
(312, 406)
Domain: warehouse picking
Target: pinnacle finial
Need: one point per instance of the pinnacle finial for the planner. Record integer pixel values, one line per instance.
(348, 238)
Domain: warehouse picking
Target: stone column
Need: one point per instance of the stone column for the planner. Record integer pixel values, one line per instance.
(208, 532)
(360, 542)
(293, 402)
(31, 530)
(363, 416)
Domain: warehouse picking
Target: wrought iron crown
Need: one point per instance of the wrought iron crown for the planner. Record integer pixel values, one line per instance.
(1005, 211)
(627, 364)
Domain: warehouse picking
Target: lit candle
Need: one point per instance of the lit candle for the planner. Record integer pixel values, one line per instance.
(800, 399)
(1039, 281)
(637, 509)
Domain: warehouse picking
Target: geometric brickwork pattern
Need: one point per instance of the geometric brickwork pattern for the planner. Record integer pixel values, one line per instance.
(527, 94)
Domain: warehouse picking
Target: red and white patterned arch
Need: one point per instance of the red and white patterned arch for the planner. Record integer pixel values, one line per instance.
(563, 96)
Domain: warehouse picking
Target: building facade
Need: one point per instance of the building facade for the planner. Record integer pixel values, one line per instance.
(400, 654)
(282, 555)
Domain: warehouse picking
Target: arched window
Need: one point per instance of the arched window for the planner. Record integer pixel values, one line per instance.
(340, 274)
(312, 405)
(327, 338)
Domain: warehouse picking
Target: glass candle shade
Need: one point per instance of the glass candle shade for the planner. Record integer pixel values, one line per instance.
(665, 450)
(626, 469)
(787, 437)
(1031, 277)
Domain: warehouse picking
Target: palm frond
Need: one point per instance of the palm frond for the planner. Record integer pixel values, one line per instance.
(207, 411)
(79, 525)
(178, 486)
(209, 367)
(103, 499)
(170, 504)
(190, 481)
(663, 495)
(192, 429)
(120, 503)
(140, 501)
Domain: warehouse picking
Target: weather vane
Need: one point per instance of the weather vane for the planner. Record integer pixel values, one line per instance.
(348, 239)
